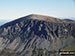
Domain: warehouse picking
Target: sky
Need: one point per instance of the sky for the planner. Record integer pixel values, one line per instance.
(13, 9)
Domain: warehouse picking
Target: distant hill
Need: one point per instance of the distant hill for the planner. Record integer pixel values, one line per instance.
(3, 22)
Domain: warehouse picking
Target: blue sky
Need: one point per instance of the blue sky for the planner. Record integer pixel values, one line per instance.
(12, 9)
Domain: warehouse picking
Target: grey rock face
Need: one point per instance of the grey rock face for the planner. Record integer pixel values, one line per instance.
(26, 34)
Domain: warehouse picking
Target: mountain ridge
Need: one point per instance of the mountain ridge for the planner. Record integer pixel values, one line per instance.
(44, 18)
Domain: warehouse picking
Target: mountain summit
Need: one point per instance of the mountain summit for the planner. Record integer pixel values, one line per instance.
(33, 33)
(43, 17)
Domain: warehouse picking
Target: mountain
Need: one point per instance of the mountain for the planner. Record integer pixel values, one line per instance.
(67, 20)
(35, 35)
